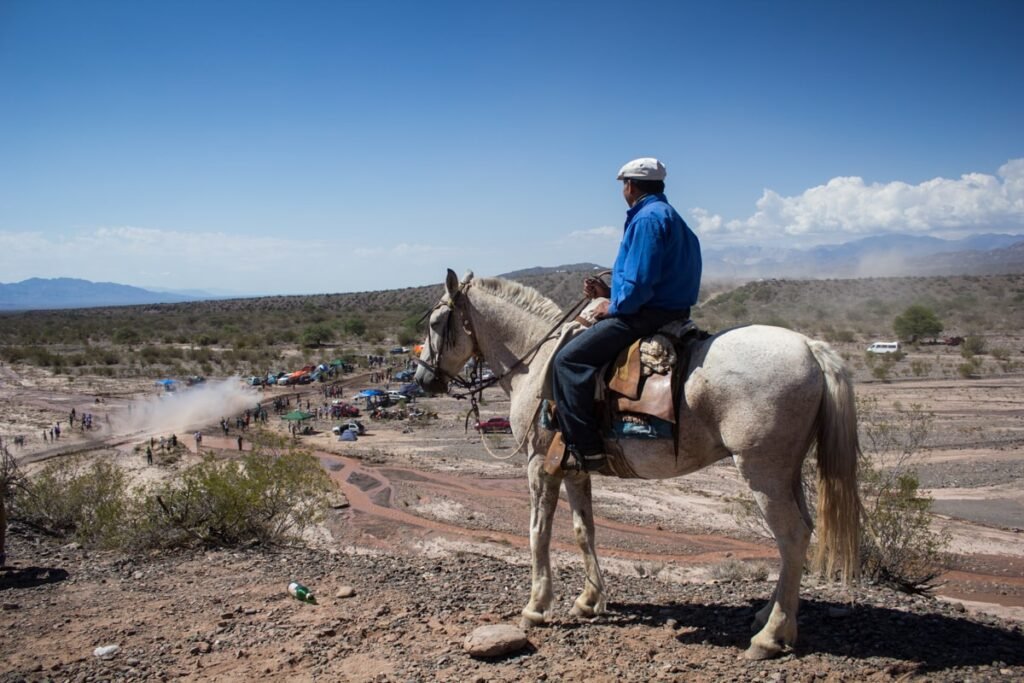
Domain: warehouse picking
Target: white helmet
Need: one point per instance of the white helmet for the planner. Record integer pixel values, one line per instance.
(645, 168)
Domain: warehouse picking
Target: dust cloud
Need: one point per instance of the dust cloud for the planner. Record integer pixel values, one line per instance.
(187, 408)
(883, 264)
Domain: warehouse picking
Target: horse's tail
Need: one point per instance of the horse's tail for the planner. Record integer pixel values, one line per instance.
(839, 509)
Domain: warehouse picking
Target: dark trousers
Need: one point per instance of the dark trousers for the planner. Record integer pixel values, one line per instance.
(577, 364)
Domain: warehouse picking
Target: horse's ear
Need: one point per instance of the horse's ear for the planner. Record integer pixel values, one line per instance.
(451, 284)
(467, 278)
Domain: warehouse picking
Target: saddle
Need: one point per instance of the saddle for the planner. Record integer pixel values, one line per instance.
(644, 378)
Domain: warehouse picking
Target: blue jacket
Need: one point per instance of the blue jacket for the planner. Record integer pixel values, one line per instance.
(659, 261)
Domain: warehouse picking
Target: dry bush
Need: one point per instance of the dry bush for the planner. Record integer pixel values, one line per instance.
(899, 547)
(270, 495)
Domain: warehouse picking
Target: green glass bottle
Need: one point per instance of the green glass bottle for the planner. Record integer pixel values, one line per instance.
(300, 592)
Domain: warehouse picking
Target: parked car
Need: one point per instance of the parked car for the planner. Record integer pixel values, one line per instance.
(343, 409)
(352, 425)
(494, 425)
(397, 396)
(884, 347)
(404, 375)
(254, 381)
(399, 349)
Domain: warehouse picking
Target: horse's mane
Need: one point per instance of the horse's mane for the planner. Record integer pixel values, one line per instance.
(527, 297)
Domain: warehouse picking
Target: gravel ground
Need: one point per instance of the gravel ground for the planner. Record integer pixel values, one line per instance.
(224, 616)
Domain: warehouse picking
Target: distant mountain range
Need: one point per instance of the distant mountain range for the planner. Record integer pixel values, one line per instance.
(886, 255)
(66, 292)
(883, 256)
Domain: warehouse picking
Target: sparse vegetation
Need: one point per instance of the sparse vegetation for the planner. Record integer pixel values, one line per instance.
(899, 547)
(974, 345)
(268, 496)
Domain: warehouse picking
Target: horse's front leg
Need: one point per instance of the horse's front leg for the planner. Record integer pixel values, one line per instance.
(543, 501)
(591, 601)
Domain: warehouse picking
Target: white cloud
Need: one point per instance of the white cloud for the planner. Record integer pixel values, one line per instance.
(603, 233)
(848, 206)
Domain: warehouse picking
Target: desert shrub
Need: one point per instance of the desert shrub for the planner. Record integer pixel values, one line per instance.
(150, 354)
(70, 497)
(108, 357)
(899, 547)
(920, 368)
(974, 345)
(970, 368)
(127, 335)
(1000, 353)
(355, 326)
(265, 497)
(834, 336)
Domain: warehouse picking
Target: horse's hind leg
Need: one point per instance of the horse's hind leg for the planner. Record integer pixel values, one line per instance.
(543, 501)
(591, 602)
(778, 494)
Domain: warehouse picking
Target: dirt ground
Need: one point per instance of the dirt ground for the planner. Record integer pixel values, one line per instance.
(433, 541)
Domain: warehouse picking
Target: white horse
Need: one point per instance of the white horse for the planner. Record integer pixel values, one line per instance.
(761, 395)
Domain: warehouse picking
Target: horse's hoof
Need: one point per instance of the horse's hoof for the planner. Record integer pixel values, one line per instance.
(531, 619)
(757, 652)
(582, 611)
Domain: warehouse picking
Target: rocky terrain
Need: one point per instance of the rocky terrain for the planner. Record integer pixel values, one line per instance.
(431, 543)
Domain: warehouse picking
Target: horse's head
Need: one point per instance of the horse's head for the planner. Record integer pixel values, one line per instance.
(449, 342)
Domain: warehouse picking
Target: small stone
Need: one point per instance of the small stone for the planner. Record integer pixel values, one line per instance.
(137, 575)
(495, 640)
(106, 651)
(346, 592)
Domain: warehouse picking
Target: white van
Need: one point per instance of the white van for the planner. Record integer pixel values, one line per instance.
(884, 347)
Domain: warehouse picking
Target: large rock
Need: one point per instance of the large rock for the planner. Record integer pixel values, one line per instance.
(495, 640)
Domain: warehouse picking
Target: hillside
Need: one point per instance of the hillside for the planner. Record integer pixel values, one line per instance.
(966, 304)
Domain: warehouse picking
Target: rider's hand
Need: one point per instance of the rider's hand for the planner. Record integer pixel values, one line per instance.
(594, 288)
(600, 312)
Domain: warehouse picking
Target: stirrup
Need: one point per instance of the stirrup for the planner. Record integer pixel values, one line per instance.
(593, 462)
(574, 462)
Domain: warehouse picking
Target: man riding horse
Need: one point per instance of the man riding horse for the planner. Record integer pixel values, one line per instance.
(655, 280)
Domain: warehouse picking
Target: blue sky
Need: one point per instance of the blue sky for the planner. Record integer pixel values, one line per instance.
(273, 147)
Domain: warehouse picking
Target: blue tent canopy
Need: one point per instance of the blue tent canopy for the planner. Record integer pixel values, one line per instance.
(369, 392)
(166, 382)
